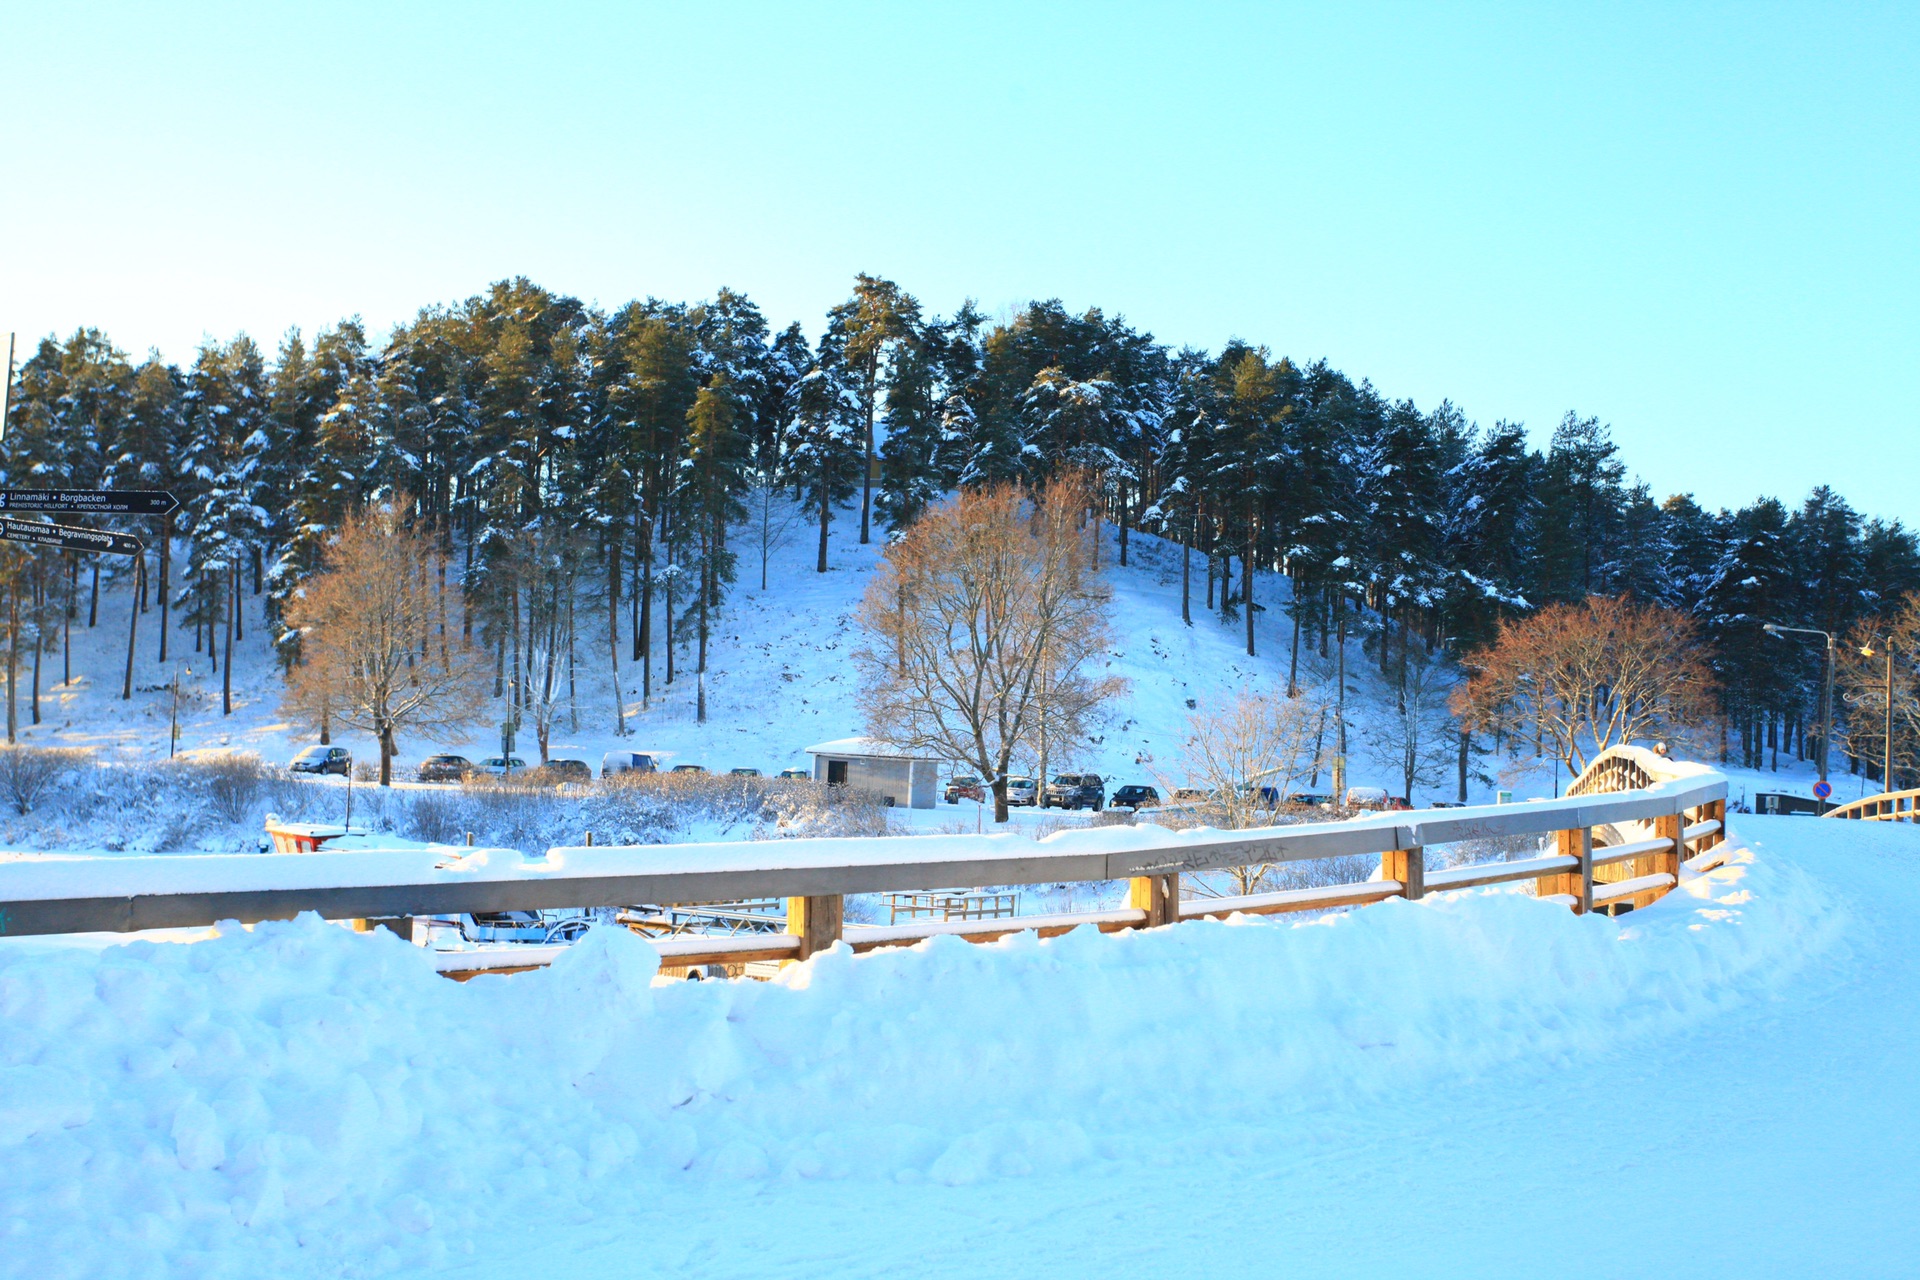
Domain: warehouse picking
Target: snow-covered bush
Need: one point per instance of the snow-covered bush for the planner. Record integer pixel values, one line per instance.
(26, 773)
(218, 802)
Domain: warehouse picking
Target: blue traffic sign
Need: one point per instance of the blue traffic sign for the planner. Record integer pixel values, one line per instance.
(1822, 789)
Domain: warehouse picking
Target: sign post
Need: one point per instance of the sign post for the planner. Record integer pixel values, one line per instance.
(67, 537)
(80, 502)
(90, 502)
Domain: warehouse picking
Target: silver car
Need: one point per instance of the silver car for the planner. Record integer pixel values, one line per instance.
(1022, 791)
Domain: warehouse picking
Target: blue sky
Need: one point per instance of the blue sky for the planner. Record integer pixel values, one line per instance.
(1701, 224)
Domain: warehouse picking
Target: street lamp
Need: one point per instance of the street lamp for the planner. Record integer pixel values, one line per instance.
(1886, 760)
(1826, 698)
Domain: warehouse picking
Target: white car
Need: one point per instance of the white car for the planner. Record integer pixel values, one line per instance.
(1022, 791)
(499, 766)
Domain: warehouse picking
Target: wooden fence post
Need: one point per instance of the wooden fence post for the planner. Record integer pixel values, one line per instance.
(815, 921)
(1158, 896)
(1409, 867)
(1667, 827)
(1578, 883)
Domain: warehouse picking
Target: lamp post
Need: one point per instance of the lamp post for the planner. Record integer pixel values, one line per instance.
(1886, 759)
(1826, 698)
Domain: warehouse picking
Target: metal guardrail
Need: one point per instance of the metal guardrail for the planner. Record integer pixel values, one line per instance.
(125, 894)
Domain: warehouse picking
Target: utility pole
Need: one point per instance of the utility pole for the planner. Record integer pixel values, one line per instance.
(1886, 758)
(1826, 697)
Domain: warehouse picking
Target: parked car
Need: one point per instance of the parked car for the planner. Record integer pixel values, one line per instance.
(689, 768)
(1075, 791)
(1135, 796)
(1397, 804)
(1311, 799)
(1261, 793)
(744, 773)
(1022, 792)
(1447, 804)
(445, 768)
(1366, 798)
(800, 774)
(322, 760)
(499, 766)
(1188, 795)
(568, 771)
(627, 762)
(964, 786)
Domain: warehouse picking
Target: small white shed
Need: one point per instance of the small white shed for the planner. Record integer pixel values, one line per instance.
(869, 764)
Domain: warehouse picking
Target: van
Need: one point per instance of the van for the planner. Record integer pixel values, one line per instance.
(627, 762)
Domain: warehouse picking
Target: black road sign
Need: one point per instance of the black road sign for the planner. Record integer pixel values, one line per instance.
(68, 538)
(80, 502)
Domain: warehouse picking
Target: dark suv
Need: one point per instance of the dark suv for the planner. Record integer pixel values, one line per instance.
(1075, 791)
(445, 768)
(1135, 797)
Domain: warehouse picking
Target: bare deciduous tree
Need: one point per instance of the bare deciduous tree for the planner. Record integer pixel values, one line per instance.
(772, 518)
(1415, 730)
(1575, 679)
(1865, 658)
(986, 626)
(371, 654)
(1246, 754)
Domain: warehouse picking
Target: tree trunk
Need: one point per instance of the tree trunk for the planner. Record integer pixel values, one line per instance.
(133, 623)
(866, 467)
(613, 637)
(93, 603)
(1186, 580)
(826, 517)
(1466, 745)
(1246, 581)
(643, 636)
(1340, 705)
(1293, 663)
(386, 756)
(13, 656)
(166, 579)
(706, 569)
(233, 610)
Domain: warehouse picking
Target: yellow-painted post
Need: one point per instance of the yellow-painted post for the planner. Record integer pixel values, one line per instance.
(1666, 828)
(1578, 882)
(1409, 867)
(815, 921)
(1158, 896)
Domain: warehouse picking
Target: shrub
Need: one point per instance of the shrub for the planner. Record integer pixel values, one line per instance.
(232, 781)
(26, 773)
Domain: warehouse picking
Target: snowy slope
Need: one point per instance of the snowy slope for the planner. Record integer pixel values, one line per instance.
(782, 679)
(1478, 1084)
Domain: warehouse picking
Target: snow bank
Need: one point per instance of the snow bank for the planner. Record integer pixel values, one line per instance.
(297, 1099)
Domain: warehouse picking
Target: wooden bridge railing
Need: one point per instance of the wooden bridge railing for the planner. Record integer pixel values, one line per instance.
(1684, 805)
(1888, 806)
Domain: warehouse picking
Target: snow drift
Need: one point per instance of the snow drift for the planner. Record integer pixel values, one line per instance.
(298, 1099)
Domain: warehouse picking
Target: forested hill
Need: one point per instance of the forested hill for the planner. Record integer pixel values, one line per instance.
(622, 462)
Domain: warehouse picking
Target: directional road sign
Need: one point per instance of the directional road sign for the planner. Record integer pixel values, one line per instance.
(77, 502)
(68, 538)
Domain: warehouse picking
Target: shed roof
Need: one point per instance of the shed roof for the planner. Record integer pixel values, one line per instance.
(875, 747)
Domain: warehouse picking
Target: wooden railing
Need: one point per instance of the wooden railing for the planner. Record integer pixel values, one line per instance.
(1888, 806)
(1601, 859)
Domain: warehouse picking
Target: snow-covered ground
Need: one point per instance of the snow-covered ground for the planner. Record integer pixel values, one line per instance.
(1477, 1084)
